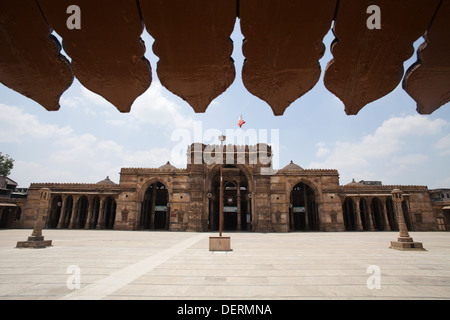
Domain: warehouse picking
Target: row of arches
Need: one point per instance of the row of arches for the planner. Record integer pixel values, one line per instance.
(99, 212)
(81, 212)
(372, 214)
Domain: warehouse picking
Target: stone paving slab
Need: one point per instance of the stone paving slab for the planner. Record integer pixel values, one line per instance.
(178, 265)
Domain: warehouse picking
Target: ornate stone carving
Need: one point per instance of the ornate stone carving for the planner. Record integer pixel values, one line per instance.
(283, 44)
(192, 40)
(106, 55)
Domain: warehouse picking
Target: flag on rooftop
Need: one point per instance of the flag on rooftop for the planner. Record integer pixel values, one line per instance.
(240, 121)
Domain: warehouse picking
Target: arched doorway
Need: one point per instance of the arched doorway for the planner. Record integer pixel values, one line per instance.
(236, 200)
(7, 216)
(95, 211)
(303, 211)
(377, 214)
(55, 212)
(348, 210)
(154, 210)
(407, 216)
(67, 212)
(364, 213)
(110, 212)
(390, 211)
(82, 212)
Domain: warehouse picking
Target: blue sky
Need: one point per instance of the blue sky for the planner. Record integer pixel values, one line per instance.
(88, 139)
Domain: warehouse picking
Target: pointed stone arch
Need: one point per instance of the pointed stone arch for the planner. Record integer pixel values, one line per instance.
(304, 208)
(154, 206)
(349, 212)
(237, 199)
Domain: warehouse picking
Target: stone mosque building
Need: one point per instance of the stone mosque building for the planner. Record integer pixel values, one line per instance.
(255, 198)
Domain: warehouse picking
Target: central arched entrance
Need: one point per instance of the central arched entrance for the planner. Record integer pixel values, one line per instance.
(154, 211)
(303, 211)
(236, 200)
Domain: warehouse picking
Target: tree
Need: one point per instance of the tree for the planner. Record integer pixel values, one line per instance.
(6, 165)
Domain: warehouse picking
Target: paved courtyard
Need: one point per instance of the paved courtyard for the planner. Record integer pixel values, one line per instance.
(93, 264)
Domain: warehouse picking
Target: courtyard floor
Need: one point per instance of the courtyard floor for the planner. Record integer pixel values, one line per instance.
(97, 264)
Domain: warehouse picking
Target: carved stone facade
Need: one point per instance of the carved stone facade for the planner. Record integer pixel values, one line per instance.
(255, 198)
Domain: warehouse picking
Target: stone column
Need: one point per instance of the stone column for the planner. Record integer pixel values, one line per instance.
(101, 215)
(306, 209)
(404, 241)
(386, 218)
(359, 226)
(168, 204)
(371, 218)
(152, 214)
(62, 216)
(36, 240)
(87, 224)
(74, 212)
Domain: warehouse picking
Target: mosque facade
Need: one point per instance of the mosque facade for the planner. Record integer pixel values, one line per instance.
(256, 198)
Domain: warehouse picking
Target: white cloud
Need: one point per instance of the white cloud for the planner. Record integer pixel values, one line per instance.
(15, 125)
(322, 151)
(154, 108)
(443, 145)
(409, 160)
(381, 149)
(404, 164)
(152, 158)
(65, 156)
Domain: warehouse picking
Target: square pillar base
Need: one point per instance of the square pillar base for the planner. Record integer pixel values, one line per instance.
(34, 242)
(406, 245)
(220, 244)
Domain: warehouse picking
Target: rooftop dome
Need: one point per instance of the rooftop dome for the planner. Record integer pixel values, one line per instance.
(354, 183)
(292, 166)
(106, 181)
(167, 166)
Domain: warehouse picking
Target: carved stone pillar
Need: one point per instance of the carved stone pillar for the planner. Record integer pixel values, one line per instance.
(404, 241)
(36, 240)
(62, 216)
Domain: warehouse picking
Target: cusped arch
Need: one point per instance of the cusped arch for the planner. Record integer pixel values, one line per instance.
(313, 187)
(214, 171)
(307, 216)
(148, 183)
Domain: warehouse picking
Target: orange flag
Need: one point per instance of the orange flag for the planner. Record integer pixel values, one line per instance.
(240, 121)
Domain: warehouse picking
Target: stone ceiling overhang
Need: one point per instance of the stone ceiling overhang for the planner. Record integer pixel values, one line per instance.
(282, 48)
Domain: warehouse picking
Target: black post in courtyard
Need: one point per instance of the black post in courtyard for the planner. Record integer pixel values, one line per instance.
(36, 240)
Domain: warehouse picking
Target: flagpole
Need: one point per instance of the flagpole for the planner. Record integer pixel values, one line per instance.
(220, 202)
(222, 139)
(220, 243)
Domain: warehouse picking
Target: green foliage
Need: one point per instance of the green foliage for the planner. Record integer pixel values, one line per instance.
(6, 165)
